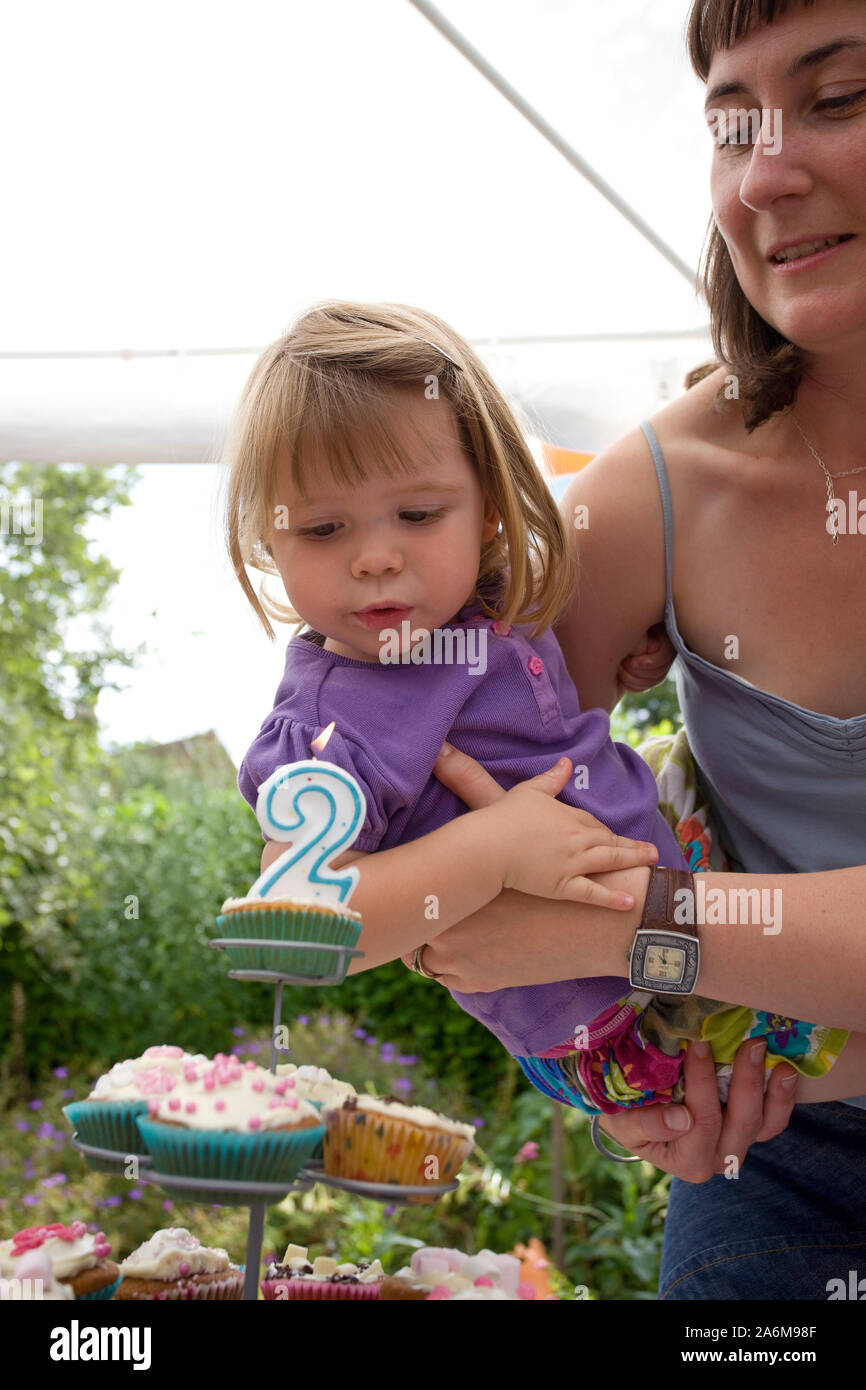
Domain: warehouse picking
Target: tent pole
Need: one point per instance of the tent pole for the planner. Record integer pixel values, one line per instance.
(477, 59)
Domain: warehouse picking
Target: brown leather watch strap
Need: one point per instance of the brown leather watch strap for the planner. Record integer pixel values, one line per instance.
(659, 906)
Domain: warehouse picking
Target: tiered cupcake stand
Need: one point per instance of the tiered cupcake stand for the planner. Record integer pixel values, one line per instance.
(258, 1196)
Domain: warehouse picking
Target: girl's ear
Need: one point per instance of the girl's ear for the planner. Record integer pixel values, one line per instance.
(491, 521)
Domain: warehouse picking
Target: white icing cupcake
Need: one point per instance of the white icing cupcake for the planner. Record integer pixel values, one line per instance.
(173, 1265)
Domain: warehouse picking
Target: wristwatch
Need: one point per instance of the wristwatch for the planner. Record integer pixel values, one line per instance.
(662, 958)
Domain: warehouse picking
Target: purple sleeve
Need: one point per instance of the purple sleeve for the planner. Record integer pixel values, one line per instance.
(288, 741)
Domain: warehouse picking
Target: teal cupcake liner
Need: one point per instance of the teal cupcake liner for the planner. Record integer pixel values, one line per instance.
(106, 1293)
(108, 1124)
(266, 1156)
(289, 924)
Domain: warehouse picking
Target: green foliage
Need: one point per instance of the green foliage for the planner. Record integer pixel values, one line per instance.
(645, 715)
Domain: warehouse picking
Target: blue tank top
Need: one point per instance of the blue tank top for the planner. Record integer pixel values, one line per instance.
(786, 787)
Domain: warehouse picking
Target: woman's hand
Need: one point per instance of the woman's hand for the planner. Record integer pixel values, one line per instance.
(648, 663)
(712, 1140)
(566, 843)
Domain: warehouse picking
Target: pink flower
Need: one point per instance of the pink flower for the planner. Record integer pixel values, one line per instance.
(528, 1153)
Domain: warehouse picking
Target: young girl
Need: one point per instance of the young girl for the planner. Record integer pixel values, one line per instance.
(375, 467)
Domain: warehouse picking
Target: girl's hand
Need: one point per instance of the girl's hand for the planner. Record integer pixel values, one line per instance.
(710, 1140)
(648, 663)
(565, 844)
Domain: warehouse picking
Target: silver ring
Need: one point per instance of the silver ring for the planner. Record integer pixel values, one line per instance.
(598, 1143)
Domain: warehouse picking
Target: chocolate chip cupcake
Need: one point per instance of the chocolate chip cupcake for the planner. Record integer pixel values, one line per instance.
(295, 1276)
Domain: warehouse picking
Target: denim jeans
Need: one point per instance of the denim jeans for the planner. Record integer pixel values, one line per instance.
(793, 1220)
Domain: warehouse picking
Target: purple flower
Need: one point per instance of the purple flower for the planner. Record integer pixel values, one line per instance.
(238, 1031)
(23, 1125)
(389, 1211)
(67, 1095)
(45, 1131)
(324, 1020)
(30, 1200)
(112, 1201)
(270, 1257)
(34, 1104)
(61, 1073)
(304, 1018)
(254, 1048)
(358, 1033)
(402, 1084)
(387, 1051)
(93, 1225)
(168, 1204)
(371, 1041)
(237, 1049)
(478, 1123)
(135, 1195)
(528, 1152)
(407, 1061)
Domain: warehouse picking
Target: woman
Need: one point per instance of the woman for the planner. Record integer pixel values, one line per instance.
(763, 605)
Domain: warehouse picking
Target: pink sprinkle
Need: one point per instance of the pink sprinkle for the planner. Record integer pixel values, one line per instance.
(526, 1291)
(254, 1122)
(152, 1107)
(184, 1267)
(77, 1228)
(441, 1291)
(290, 1081)
(275, 1104)
(292, 1102)
(258, 1084)
(219, 1105)
(280, 1087)
(250, 1065)
(190, 1107)
(209, 1083)
(536, 665)
(483, 1282)
(190, 1073)
(174, 1103)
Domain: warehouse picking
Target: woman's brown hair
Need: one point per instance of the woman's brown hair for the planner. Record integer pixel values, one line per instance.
(768, 366)
(329, 388)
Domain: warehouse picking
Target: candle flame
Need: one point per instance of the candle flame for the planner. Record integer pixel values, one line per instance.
(319, 742)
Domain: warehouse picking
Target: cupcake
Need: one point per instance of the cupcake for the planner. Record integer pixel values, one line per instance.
(232, 1122)
(106, 1119)
(175, 1265)
(437, 1274)
(317, 1086)
(382, 1140)
(34, 1273)
(78, 1258)
(323, 1278)
(289, 901)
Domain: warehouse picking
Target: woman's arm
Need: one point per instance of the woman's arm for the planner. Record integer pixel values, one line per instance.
(619, 549)
(809, 962)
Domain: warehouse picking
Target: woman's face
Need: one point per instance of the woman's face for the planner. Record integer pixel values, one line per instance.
(794, 173)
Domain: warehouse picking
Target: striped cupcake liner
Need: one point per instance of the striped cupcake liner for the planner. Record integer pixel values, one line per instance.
(230, 1288)
(99, 1294)
(289, 924)
(279, 1290)
(108, 1124)
(269, 1156)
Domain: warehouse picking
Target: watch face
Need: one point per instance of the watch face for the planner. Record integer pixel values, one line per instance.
(666, 964)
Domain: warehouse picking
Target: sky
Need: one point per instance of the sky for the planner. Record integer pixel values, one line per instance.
(190, 176)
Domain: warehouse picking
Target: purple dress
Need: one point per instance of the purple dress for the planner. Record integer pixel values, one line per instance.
(511, 705)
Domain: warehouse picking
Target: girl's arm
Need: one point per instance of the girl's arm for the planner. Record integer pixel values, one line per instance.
(847, 1077)
(409, 895)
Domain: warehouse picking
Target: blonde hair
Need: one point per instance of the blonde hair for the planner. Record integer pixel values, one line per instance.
(327, 388)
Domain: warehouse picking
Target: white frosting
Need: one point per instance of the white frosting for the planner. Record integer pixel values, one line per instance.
(32, 1266)
(315, 1083)
(150, 1074)
(296, 1257)
(173, 1254)
(286, 904)
(417, 1114)
(227, 1095)
(68, 1257)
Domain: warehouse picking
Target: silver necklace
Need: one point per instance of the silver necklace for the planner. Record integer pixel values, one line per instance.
(831, 496)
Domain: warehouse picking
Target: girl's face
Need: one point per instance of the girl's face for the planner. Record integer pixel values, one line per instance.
(362, 558)
(801, 178)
